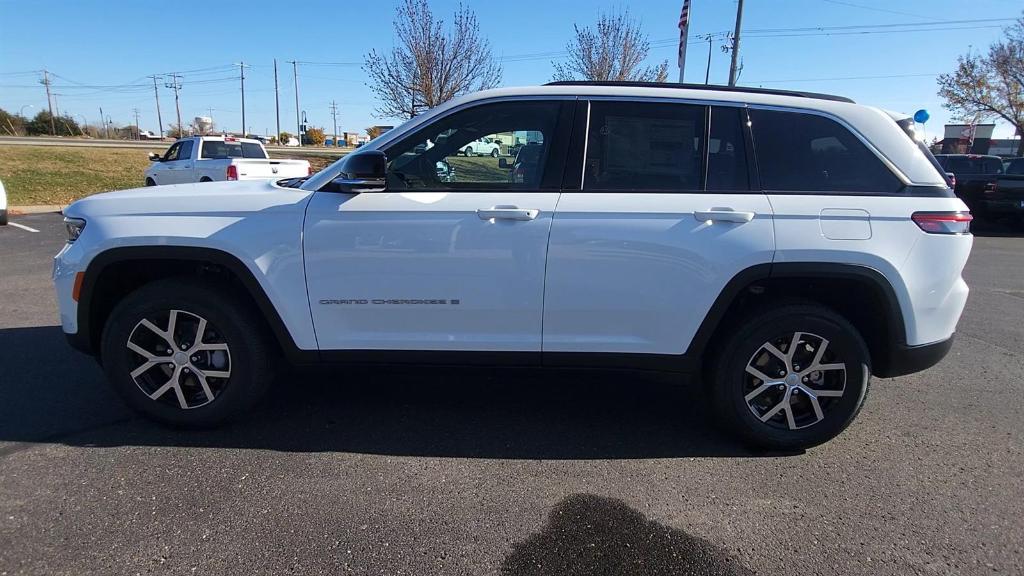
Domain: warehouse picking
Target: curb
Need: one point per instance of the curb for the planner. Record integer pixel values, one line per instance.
(43, 209)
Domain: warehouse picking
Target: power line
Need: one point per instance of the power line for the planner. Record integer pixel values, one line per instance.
(851, 4)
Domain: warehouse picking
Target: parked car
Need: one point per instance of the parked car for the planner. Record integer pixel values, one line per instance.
(973, 174)
(482, 147)
(780, 246)
(215, 158)
(3, 205)
(1005, 195)
(148, 135)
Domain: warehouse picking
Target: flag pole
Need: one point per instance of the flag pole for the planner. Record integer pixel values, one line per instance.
(684, 33)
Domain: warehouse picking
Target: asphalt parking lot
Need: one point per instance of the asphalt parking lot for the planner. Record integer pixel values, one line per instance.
(498, 472)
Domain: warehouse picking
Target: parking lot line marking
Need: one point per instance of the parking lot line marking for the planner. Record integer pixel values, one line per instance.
(23, 227)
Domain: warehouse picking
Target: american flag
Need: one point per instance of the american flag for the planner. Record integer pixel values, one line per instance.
(684, 31)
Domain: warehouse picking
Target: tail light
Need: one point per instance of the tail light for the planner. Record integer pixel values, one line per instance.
(943, 222)
(232, 172)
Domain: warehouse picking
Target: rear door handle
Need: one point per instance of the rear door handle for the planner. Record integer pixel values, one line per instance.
(723, 215)
(507, 213)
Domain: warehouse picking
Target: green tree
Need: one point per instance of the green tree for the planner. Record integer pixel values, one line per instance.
(11, 124)
(284, 137)
(39, 125)
(990, 85)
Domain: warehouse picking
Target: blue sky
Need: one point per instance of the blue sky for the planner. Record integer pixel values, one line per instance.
(102, 51)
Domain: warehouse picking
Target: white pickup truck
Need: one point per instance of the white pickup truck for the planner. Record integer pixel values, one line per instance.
(216, 158)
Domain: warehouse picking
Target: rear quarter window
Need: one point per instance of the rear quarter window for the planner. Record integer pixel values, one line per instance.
(802, 152)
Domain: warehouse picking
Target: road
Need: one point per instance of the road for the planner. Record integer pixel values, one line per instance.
(497, 472)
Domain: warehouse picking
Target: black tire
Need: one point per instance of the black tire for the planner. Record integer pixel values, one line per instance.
(3, 217)
(494, 153)
(205, 179)
(731, 383)
(150, 182)
(252, 356)
(468, 152)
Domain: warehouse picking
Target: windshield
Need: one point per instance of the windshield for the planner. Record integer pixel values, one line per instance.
(972, 164)
(217, 149)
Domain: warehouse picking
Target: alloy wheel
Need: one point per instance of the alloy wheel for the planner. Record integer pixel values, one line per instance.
(792, 381)
(180, 352)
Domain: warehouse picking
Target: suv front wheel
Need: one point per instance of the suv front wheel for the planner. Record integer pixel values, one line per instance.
(792, 377)
(185, 354)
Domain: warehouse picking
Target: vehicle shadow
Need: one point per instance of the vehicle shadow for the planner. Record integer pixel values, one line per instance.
(588, 534)
(51, 394)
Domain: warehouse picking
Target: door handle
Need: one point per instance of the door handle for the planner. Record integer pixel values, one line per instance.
(723, 215)
(507, 213)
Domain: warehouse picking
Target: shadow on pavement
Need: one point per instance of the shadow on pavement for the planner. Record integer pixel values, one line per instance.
(51, 394)
(588, 534)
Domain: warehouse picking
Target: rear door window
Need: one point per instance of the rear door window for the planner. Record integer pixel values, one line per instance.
(644, 146)
(800, 152)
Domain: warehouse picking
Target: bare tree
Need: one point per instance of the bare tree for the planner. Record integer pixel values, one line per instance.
(616, 50)
(430, 65)
(991, 85)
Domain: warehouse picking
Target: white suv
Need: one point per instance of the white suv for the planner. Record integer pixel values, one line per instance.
(780, 246)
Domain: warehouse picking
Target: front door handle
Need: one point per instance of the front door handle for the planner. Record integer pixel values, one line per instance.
(723, 215)
(507, 213)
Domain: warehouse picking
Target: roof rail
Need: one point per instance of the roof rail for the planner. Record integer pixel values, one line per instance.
(701, 87)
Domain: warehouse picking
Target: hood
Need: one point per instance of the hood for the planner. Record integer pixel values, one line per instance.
(206, 198)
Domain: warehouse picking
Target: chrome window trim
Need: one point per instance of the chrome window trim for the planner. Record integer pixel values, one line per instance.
(586, 144)
(903, 178)
(316, 182)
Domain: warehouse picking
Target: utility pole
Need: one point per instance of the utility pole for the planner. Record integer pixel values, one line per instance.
(138, 136)
(707, 73)
(175, 84)
(334, 114)
(212, 123)
(49, 101)
(298, 123)
(106, 127)
(241, 71)
(733, 71)
(277, 103)
(156, 94)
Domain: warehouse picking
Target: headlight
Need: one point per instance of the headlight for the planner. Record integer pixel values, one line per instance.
(74, 227)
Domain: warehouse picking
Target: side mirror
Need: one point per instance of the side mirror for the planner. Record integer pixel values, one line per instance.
(503, 163)
(154, 157)
(363, 172)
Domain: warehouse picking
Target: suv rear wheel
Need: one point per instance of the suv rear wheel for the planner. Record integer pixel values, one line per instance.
(186, 355)
(792, 377)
